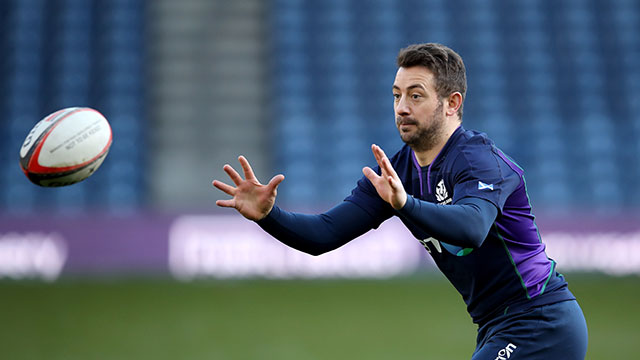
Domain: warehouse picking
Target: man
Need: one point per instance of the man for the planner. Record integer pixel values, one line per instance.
(462, 197)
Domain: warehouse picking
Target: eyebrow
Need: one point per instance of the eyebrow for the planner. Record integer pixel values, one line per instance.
(410, 87)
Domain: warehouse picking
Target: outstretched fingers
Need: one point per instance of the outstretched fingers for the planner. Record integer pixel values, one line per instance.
(370, 174)
(394, 183)
(246, 167)
(376, 155)
(233, 174)
(275, 181)
(250, 198)
(388, 167)
(230, 203)
(384, 162)
(228, 189)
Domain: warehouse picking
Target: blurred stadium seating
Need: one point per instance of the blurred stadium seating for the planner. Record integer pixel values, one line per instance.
(66, 53)
(556, 85)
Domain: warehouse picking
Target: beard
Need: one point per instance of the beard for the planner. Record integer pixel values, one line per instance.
(426, 136)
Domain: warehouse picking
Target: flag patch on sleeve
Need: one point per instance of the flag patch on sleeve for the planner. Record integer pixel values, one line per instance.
(483, 186)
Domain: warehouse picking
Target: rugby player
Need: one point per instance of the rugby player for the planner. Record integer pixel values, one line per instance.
(462, 198)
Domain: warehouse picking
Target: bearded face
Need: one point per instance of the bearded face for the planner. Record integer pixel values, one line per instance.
(422, 134)
(419, 111)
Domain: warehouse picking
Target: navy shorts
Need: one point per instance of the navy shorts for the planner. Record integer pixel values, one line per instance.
(556, 331)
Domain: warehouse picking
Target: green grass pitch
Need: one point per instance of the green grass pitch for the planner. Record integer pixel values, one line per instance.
(412, 318)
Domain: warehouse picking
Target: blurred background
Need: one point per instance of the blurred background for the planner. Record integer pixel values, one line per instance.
(137, 261)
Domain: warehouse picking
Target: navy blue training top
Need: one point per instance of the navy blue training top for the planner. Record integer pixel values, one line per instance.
(510, 270)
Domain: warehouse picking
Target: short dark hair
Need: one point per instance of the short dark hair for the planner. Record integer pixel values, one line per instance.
(445, 64)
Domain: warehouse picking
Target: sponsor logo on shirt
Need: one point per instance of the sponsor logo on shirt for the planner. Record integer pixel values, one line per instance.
(505, 353)
(451, 249)
(442, 196)
(435, 243)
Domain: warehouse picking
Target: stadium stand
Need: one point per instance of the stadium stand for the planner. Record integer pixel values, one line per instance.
(554, 84)
(64, 53)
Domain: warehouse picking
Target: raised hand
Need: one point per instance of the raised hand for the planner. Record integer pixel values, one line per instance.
(387, 184)
(250, 198)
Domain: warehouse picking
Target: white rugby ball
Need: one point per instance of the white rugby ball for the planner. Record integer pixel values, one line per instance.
(65, 147)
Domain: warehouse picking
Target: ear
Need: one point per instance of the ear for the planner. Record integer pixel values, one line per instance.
(454, 101)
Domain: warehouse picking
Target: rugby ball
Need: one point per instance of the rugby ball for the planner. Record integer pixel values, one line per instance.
(65, 147)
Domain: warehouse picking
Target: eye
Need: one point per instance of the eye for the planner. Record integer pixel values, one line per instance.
(396, 96)
(415, 96)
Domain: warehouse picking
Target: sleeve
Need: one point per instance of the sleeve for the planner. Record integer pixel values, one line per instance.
(360, 212)
(318, 234)
(366, 197)
(480, 172)
(465, 224)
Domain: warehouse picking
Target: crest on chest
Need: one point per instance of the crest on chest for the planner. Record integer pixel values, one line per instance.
(442, 196)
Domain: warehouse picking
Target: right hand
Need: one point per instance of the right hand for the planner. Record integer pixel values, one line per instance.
(388, 183)
(251, 199)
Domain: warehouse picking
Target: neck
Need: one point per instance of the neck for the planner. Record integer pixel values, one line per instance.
(426, 157)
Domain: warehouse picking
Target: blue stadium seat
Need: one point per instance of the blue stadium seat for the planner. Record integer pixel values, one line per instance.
(65, 53)
(574, 65)
(509, 48)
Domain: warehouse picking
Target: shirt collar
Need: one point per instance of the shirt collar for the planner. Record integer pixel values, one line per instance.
(452, 139)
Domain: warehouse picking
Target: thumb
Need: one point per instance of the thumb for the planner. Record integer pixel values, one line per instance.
(395, 184)
(275, 181)
(369, 173)
(392, 183)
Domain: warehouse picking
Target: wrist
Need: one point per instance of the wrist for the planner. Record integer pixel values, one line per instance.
(270, 214)
(408, 204)
(402, 202)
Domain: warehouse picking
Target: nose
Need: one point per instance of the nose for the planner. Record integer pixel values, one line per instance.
(402, 108)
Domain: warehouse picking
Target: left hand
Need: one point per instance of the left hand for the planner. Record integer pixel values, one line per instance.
(387, 184)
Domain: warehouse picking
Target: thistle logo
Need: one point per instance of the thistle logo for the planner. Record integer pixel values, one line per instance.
(441, 193)
(505, 353)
